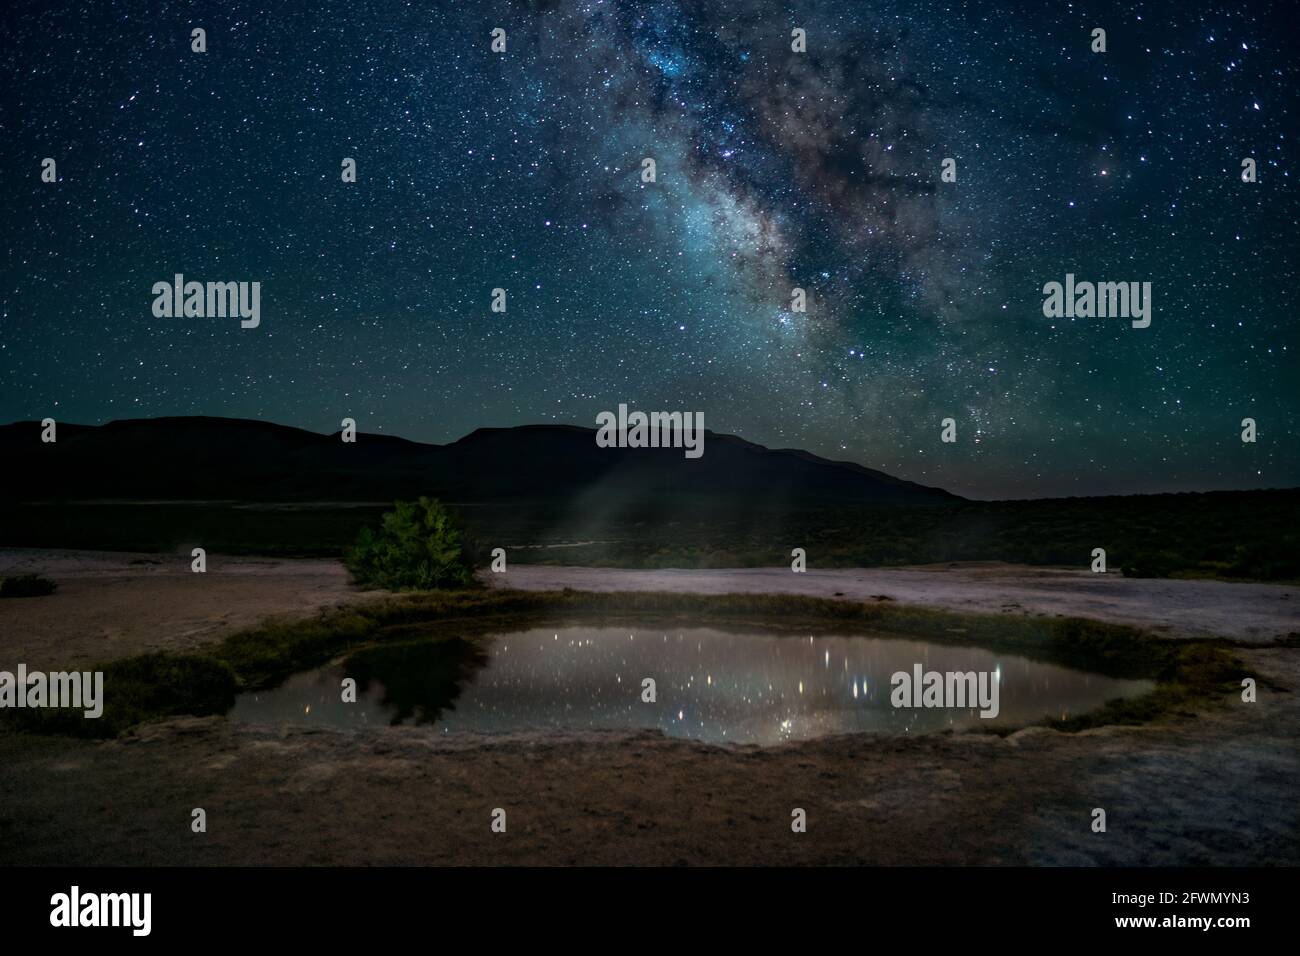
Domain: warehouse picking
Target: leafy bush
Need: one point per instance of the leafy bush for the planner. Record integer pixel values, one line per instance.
(418, 546)
(1269, 561)
(1154, 564)
(26, 585)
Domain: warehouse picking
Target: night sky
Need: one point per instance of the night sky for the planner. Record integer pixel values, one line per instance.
(775, 170)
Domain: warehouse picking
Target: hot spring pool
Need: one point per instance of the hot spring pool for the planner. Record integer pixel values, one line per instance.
(711, 685)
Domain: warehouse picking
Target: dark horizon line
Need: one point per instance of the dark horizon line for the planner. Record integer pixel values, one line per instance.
(36, 423)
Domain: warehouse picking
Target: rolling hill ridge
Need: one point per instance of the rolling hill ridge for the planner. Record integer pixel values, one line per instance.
(202, 458)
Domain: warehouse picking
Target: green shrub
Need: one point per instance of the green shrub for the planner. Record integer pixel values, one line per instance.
(1268, 560)
(418, 546)
(1153, 564)
(26, 585)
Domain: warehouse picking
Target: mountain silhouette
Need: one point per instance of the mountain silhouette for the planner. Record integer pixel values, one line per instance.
(202, 458)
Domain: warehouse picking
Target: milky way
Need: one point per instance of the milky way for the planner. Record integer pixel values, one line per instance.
(775, 170)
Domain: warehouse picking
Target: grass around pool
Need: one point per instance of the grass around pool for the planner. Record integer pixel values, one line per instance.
(1188, 674)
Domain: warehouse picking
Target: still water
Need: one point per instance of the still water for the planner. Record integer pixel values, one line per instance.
(711, 685)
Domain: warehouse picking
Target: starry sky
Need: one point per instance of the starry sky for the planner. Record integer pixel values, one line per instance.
(775, 170)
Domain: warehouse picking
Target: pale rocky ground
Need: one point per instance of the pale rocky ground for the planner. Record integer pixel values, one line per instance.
(112, 604)
(1215, 788)
(1255, 613)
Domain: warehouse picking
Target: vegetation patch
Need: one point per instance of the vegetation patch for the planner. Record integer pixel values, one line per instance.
(138, 689)
(418, 547)
(26, 585)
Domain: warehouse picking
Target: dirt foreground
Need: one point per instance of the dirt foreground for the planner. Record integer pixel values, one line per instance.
(1214, 788)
